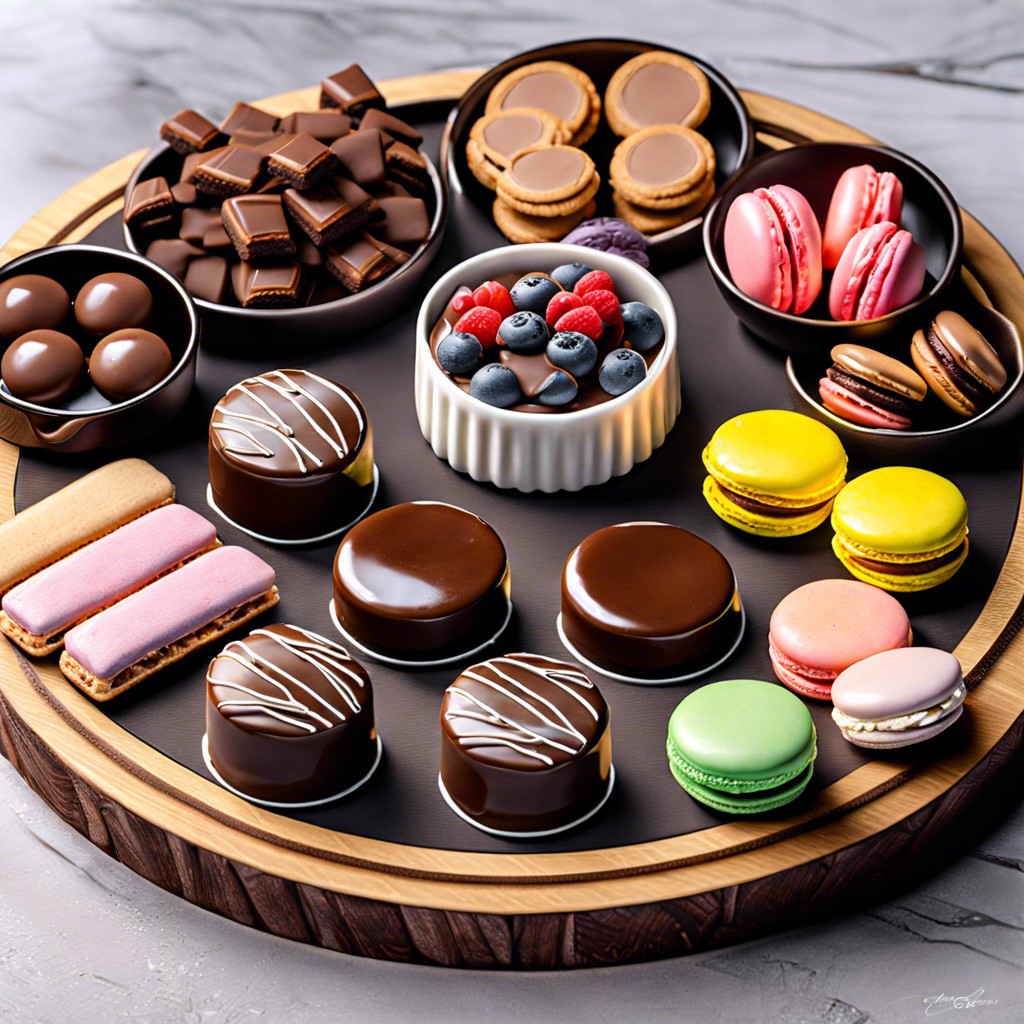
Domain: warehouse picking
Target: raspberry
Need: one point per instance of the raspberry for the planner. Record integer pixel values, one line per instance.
(482, 296)
(482, 322)
(463, 303)
(606, 303)
(500, 299)
(561, 302)
(596, 279)
(583, 319)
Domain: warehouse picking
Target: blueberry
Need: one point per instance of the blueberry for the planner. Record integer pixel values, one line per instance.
(534, 292)
(621, 371)
(557, 389)
(523, 332)
(572, 351)
(643, 326)
(497, 385)
(569, 273)
(459, 353)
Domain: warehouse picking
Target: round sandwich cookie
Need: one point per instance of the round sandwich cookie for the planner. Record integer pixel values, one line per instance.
(871, 389)
(900, 528)
(862, 197)
(959, 365)
(824, 627)
(897, 698)
(656, 88)
(495, 138)
(649, 603)
(519, 227)
(773, 473)
(526, 746)
(550, 181)
(552, 85)
(742, 746)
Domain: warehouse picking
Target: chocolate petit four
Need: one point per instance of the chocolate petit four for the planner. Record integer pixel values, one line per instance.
(289, 718)
(291, 457)
(526, 746)
(421, 582)
(649, 602)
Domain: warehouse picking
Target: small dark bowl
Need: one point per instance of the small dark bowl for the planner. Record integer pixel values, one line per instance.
(89, 420)
(938, 433)
(727, 127)
(245, 332)
(930, 214)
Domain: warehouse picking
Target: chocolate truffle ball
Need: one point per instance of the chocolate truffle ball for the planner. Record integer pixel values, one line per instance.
(31, 302)
(127, 363)
(112, 302)
(42, 366)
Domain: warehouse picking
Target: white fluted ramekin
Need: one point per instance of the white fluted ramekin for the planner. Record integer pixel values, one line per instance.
(560, 451)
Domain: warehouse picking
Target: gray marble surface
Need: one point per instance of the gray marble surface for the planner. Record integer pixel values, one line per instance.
(82, 939)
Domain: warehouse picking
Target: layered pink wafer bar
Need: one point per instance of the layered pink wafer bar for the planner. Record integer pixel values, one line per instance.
(163, 622)
(37, 612)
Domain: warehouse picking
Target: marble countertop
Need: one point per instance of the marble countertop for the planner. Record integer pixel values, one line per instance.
(84, 940)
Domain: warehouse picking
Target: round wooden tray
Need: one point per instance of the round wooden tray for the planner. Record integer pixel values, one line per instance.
(865, 833)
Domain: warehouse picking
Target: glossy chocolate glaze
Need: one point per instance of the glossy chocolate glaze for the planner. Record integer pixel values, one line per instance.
(31, 302)
(291, 455)
(421, 577)
(649, 599)
(289, 716)
(525, 743)
(533, 369)
(43, 366)
(127, 363)
(111, 302)
(659, 94)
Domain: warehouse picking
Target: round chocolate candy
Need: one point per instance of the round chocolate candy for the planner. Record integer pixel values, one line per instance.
(31, 302)
(112, 302)
(128, 362)
(42, 366)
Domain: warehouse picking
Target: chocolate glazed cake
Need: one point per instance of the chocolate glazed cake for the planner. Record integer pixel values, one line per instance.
(291, 456)
(526, 745)
(289, 717)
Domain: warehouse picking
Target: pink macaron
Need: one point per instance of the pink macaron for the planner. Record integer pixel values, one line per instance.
(822, 628)
(773, 248)
(881, 269)
(862, 197)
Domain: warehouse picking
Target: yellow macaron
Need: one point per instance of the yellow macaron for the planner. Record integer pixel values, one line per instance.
(900, 528)
(773, 473)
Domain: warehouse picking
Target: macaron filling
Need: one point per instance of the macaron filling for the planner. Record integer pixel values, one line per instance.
(901, 723)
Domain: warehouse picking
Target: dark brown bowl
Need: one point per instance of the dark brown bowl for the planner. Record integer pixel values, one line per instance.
(241, 332)
(89, 420)
(930, 214)
(727, 127)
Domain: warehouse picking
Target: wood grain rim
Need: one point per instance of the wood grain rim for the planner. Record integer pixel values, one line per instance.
(868, 802)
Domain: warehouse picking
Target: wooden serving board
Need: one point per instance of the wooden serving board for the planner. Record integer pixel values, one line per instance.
(874, 828)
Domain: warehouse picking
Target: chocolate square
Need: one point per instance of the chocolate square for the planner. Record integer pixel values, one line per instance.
(232, 171)
(196, 221)
(208, 278)
(329, 211)
(362, 260)
(216, 239)
(150, 200)
(257, 227)
(266, 287)
(189, 132)
(351, 90)
(255, 139)
(361, 155)
(407, 166)
(302, 161)
(406, 223)
(391, 126)
(184, 193)
(173, 254)
(248, 118)
(325, 125)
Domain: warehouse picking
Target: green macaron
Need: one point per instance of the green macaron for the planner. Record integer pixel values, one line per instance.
(742, 746)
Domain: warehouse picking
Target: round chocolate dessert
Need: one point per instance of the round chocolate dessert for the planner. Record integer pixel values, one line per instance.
(291, 456)
(649, 602)
(422, 579)
(526, 745)
(289, 717)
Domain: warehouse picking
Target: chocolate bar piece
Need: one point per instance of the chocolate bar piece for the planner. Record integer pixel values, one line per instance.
(266, 287)
(391, 126)
(216, 237)
(361, 155)
(407, 166)
(307, 252)
(189, 132)
(330, 211)
(362, 260)
(208, 278)
(257, 227)
(351, 90)
(406, 223)
(255, 139)
(184, 193)
(325, 125)
(249, 118)
(196, 221)
(232, 171)
(151, 200)
(301, 161)
(173, 254)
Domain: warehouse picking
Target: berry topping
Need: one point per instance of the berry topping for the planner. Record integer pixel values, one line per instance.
(621, 371)
(463, 303)
(497, 385)
(523, 332)
(561, 303)
(533, 292)
(500, 299)
(594, 280)
(482, 296)
(643, 326)
(569, 273)
(584, 319)
(460, 354)
(573, 352)
(556, 389)
(606, 303)
(482, 323)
